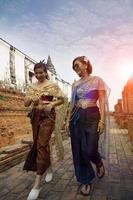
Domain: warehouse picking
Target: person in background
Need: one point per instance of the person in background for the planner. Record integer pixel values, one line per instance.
(43, 97)
(86, 123)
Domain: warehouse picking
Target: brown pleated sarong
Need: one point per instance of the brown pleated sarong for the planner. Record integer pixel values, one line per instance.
(42, 125)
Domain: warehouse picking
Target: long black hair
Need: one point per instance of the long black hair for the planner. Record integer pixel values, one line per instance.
(43, 66)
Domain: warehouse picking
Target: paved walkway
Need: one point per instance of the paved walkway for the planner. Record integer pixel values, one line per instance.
(116, 185)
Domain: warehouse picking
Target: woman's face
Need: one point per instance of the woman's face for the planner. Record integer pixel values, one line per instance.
(80, 68)
(40, 74)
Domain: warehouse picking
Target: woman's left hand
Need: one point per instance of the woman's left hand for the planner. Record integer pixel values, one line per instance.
(101, 127)
(67, 130)
(48, 107)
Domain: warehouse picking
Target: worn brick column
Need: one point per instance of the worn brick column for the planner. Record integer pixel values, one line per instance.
(130, 127)
(127, 96)
(119, 112)
(124, 100)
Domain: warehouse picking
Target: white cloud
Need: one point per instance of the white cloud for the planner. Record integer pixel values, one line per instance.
(101, 30)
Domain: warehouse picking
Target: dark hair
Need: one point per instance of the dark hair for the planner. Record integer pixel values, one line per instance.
(43, 66)
(83, 60)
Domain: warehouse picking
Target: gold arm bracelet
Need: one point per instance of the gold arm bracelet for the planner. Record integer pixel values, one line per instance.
(101, 121)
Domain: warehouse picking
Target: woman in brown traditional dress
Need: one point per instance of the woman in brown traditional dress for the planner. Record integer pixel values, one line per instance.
(43, 96)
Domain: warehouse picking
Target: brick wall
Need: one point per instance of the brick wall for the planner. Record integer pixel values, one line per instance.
(14, 123)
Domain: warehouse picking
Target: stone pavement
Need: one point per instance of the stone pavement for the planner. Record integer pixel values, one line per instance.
(117, 183)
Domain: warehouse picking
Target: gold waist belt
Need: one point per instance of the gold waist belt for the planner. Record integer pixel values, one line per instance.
(83, 103)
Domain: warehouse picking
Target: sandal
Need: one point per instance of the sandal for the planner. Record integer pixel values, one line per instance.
(100, 173)
(85, 190)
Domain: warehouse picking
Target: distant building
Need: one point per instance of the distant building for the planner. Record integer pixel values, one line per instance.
(16, 68)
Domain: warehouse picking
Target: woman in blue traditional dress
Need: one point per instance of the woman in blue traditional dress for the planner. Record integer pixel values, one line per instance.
(87, 122)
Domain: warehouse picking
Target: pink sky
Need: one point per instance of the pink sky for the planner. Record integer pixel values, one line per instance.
(101, 30)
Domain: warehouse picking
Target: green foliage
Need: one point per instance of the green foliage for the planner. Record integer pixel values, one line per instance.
(2, 98)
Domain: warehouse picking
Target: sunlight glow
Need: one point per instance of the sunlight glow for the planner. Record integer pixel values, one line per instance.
(126, 70)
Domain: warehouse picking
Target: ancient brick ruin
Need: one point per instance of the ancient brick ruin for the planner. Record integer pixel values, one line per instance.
(124, 108)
